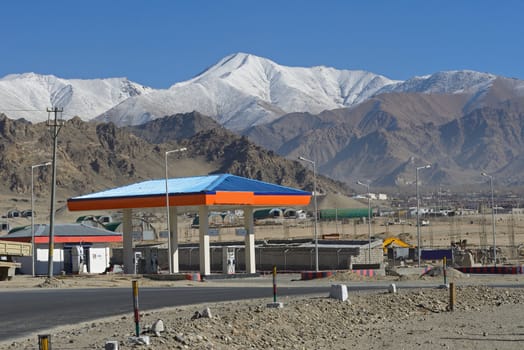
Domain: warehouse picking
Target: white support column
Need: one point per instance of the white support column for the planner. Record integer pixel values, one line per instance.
(173, 223)
(205, 258)
(249, 241)
(127, 237)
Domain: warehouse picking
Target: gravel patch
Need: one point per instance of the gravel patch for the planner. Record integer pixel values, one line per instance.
(484, 318)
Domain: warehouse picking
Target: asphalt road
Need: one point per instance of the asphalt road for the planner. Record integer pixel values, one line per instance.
(28, 312)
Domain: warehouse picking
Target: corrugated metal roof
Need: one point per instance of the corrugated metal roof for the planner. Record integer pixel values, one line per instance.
(65, 230)
(192, 185)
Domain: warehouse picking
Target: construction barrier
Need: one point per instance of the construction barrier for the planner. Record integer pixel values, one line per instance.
(501, 270)
(310, 275)
(365, 272)
(193, 276)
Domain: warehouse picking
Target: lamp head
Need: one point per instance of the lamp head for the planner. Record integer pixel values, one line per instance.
(484, 174)
(301, 158)
(176, 150)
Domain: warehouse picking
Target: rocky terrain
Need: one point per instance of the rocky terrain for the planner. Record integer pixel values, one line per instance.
(93, 157)
(353, 124)
(386, 137)
(484, 318)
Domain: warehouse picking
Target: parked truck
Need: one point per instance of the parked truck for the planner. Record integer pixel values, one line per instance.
(8, 251)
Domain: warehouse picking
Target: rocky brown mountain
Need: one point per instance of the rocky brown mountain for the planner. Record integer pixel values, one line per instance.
(231, 153)
(174, 127)
(92, 157)
(386, 137)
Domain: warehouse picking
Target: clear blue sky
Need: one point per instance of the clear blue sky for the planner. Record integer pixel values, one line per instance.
(160, 42)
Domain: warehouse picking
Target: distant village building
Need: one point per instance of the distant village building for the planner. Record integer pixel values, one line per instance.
(382, 197)
(373, 196)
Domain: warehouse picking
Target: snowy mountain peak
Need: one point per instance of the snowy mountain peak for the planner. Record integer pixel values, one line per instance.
(243, 90)
(239, 59)
(239, 91)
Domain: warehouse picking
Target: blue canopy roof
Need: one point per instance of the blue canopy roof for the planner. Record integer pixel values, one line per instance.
(196, 184)
(222, 189)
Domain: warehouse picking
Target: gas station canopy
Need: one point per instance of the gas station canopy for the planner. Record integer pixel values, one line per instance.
(200, 191)
(210, 190)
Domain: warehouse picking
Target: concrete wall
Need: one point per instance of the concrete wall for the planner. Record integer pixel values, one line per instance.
(377, 256)
(285, 258)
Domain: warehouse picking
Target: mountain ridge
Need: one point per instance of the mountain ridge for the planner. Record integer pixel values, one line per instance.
(22, 95)
(462, 122)
(382, 140)
(95, 156)
(242, 90)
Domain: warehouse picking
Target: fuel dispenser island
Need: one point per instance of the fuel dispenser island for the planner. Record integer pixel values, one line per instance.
(228, 260)
(78, 260)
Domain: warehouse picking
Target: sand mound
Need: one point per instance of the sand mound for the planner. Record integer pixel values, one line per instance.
(340, 276)
(51, 283)
(438, 271)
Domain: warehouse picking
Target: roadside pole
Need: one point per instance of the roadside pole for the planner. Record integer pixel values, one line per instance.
(444, 270)
(275, 304)
(135, 307)
(44, 342)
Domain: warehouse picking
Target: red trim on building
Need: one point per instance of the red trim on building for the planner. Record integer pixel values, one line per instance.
(67, 239)
(85, 239)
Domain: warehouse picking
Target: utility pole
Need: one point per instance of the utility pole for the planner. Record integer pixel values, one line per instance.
(55, 124)
(418, 210)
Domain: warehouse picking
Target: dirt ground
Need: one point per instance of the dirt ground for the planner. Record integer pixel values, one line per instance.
(483, 318)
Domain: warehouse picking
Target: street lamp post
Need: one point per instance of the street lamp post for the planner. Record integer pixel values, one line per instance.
(33, 215)
(315, 204)
(418, 210)
(169, 248)
(492, 218)
(369, 219)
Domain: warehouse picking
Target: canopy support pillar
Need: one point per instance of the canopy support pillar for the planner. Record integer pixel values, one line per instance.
(205, 260)
(173, 231)
(249, 240)
(127, 238)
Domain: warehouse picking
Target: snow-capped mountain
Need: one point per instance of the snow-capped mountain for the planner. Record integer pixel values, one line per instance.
(243, 90)
(28, 95)
(240, 91)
